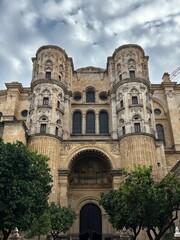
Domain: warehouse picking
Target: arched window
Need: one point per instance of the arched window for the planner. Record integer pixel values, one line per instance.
(90, 122)
(43, 128)
(160, 132)
(48, 75)
(90, 95)
(77, 123)
(134, 100)
(137, 127)
(0, 116)
(103, 122)
(45, 101)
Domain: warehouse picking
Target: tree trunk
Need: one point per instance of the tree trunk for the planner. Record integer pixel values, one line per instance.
(6, 233)
(149, 234)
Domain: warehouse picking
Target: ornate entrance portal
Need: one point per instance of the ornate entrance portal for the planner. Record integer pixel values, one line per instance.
(90, 174)
(90, 222)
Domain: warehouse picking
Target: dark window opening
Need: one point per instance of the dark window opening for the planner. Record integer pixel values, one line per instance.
(90, 95)
(43, 128)
(157, 111)
(24, 113)
(160, 132)
(120, 77)
(121, 104)
(103, 122)
(90, 122)
(56, 131)
(123, 130)
(132, 74)
(77, 96)
(134, 100)
(45, 101)
(77, 123)
(48, 75)
(103, 96)
(58, 104)
(137, 128)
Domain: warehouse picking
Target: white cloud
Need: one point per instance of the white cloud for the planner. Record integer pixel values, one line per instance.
(87, 28)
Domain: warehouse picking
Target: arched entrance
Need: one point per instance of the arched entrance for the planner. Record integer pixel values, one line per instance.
(90, 174)
(90, 222)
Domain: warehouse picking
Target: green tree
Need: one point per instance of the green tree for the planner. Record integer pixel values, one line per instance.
(25, 183)
(40, 226)
(142, 202)
(61, 218)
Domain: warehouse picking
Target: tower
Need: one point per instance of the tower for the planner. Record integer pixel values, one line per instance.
(49, 105)
(131, 105)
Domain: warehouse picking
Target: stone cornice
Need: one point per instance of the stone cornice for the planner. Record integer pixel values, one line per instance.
(130, 80)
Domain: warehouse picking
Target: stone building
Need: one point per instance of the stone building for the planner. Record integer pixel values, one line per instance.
(92, 123)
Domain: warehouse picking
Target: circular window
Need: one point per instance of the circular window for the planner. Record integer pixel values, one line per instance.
(103, 96)
(24, 113)
(157, 111)
(77, 96)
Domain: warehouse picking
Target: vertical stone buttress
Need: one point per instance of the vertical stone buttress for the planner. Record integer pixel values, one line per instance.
(49, 108)
(132, 106)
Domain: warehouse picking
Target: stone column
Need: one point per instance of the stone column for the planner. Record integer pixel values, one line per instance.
(97, 123)
(117, 178)
(63, 183)
(83, 123)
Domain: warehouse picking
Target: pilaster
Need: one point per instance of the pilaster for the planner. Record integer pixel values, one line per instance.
(63, 184)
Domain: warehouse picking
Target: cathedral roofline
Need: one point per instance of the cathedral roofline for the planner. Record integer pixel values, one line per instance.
(52, 47)
(128, 46)
(90, 69)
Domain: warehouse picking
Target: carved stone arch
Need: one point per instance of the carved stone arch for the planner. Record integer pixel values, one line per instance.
(161, 103)
(43, 118)
(46, 92)
(88, 199)
(60, 96)
(59, 122)
(136, 117)
(131, 64)
(103, 110)
(118, 67)
(90, 88)
(102, 152)
(48, 65)
(134, 91)
(77, 110)
(90, 110)
(121, 121)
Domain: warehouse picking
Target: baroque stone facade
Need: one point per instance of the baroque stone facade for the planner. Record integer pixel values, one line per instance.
(92, 123)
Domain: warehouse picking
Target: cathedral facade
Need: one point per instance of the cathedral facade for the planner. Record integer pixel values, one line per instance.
(92, 123)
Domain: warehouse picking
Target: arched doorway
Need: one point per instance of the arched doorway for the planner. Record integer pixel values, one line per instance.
(90, 222)
(90, 174)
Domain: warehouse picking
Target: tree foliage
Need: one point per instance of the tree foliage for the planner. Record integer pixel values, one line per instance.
(61, 218)
(25, 183)
(40, 226)
(142, 202)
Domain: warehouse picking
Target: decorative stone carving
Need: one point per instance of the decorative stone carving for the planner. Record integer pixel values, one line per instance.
(170, 93)
(65, 148)
(115, 148)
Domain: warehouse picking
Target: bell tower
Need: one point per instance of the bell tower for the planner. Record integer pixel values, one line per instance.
(50, 105)
(133, 123)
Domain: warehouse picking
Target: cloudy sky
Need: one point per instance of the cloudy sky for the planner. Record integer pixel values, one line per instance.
(89, 31)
